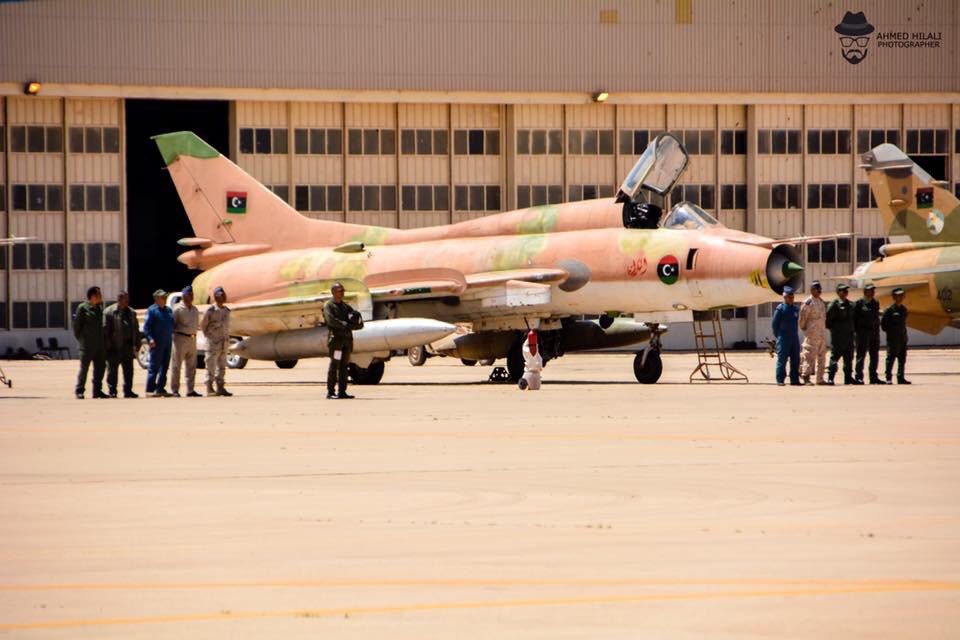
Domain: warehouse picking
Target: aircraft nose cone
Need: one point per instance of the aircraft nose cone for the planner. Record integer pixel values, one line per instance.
(791, 269)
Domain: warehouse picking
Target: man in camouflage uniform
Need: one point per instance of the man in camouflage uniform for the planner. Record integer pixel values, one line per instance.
(894, 323)
(88, 330)
(121, 333)
(813, 316)
(341, 320)
(216, 327)
(840, 323)
(866, 320)
(186, 321)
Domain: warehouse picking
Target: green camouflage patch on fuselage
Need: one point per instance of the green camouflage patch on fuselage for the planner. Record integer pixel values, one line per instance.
(517, 254)
(372, 236)
(543, 220)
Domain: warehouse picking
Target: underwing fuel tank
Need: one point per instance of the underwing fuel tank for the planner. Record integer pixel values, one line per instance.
(375, 337)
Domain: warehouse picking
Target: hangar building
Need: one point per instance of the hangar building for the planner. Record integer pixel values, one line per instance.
(427, 112)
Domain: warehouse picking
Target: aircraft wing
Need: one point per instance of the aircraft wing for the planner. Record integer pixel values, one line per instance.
(906, 273)
(770, 244)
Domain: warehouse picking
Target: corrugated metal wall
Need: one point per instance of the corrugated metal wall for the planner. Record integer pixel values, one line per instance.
(496, 45)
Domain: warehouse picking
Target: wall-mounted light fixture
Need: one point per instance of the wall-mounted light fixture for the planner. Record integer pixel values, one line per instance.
(32, 88)
(600, 96)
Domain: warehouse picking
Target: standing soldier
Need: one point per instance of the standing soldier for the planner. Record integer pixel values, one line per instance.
(216, 327)
(186, 319)
(158, 330)
(784, 323)
(866, 320)
(88, 329)
(840, 323)
(813, 317)
(121, 333)
(894, 323)
(341, 320)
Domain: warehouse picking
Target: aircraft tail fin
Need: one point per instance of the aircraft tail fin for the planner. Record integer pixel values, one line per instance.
(913, 204)
(225, 204)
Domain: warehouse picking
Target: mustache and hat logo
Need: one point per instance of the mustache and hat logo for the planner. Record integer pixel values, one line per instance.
(854, 33)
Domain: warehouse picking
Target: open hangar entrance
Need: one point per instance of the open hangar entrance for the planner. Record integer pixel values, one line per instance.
(155, 216)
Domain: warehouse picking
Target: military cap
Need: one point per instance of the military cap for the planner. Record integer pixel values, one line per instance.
(219, 290)
(869, 287)
(842, 287)
(898, 291)
(788, 290)
(159, 293)
(815, 285)
(187, 289)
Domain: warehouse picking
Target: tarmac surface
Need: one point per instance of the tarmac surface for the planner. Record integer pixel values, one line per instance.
(436, 506)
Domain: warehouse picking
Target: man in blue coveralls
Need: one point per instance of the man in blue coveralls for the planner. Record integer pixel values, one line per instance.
(785, 320)
(158, 330)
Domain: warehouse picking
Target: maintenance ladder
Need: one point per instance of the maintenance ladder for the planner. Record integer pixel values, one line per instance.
(712, 364)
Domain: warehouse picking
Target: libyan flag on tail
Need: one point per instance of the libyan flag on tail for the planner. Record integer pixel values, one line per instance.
(236, 201)
(924, 197)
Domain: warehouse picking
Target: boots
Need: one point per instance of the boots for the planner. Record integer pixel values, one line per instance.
(210, 391)
(902, 380)
(222, 391)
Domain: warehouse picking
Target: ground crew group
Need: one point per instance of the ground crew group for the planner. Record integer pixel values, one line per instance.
(111, 338)
(854, 330)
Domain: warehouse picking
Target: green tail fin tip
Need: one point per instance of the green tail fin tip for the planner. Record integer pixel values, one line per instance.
(183, 143)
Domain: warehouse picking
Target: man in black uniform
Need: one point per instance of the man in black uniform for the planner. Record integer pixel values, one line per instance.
(866, 320)
(88, 330)
(894, 323)
(840, 323)
(121, 333)
(341, 320)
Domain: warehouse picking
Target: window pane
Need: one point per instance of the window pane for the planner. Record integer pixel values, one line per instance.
(355, 198)
(335, 198)
(877, 137)
(740, 196)
(555, 193)
(246, 141)
(926, 141)
(78, 255)
(538, 144)
(893, 136)
(626, 142)
(606, 142)
(793, 196)
(875, 245)
(813, 196)
(36, 140)
(475, 142)
(590, 192)
(591, 142)
(740, 140)
(828, 196)
(425, 142)
(111, 198)
(843, 196)
(301, 143)
(388, 197)
(726, 195)
(828, 251)
(763, 141)
(476, 198)
(523, 197)
(424, 198)
(56, 319)
(843, 249)
(441, 197)
(793, 141)
(555, 142)
(280, 141)
(523, 141)
(38, 255)
(318, 141)
(18, 139)
(440, 142)
(93, 140)
(334, 142)
(608, 190)
(408, 142)
(492, 142)
(863, 141)
(763, 194)
(691, 193)
(813, 141)
(574, 146)
(94, 197)
(371, 198)
(111, 139)
(726, 143)
(460, 142)
(301, 197)
(706, 142)
(863, 249)
(318, 198)
(779, 141)
(94, 255)
(843, 141)
(813, 252)
(19, 197)
(940, 144)
(37, 197)
(538, 195)
(460, 199)
(493, 198)
(19, 256)
(38, 315)
(388, 142)
(829, 140)
(355, 142)
(262, 141)
(706, 193)
(913, 141)
(691, 141)
(20, 315)
(371, 142)
(54, 139)
(863, 196)
(76, 197)
(54, 197)
(408, 196)
(112, 254)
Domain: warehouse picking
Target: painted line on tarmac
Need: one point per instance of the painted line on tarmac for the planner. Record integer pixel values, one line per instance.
(480, 604)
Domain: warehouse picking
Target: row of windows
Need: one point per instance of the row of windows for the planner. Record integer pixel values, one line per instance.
(590, 142)
(699, 194)
(314, 142)
(536, 195)
(263, 141)
(828, 196)
(928, 141)
(869, 138)
(384, 198)
(828, 141)
(49, 197)
(590, 191)
(541, 141)
(39, 256)
(476, 197)
(830, 251)
(43, 139)
(371, 141)
(36, 315)
(778, 196)
(733, 196)
(778, 141)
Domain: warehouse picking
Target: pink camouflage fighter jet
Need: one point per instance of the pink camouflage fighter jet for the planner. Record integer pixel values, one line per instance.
(473, 289)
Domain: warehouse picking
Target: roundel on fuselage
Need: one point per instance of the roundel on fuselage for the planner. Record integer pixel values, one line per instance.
(668, 269)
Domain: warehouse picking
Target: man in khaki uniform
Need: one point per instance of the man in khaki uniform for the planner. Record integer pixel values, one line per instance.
(813, 323)
(216, 327)
(186, 320)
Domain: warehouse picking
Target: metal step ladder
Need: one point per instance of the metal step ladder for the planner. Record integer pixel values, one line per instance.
(712, 364)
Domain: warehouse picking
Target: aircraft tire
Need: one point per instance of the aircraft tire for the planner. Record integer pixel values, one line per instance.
(417, 356)
(468, 363)
(650, 372)
(370, 375)
(286, 364)
(233, 360)
(143, 355)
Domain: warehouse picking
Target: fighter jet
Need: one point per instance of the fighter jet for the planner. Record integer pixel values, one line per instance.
(924, 219)
(500, 275)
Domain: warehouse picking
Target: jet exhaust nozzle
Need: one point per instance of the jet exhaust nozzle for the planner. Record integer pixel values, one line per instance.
(783, 268)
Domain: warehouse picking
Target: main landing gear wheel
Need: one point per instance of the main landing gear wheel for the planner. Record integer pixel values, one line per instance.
(286, 364)
(371, 375)
(468, 363)
(233, 360)
(648, 372)
(143, 355)
(417, 356)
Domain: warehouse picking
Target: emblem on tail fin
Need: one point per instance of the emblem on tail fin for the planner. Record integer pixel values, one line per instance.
(236, 201)
(935, 222)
